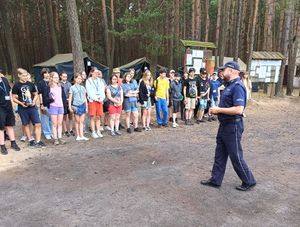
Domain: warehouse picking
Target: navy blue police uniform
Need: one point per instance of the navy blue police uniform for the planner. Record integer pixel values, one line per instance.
(229, 136)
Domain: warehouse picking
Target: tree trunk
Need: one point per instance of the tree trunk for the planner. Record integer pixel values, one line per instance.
(269, 17)
(238, 28)
(112, 42)
(75, 36)
(49, 12)
(9, 39)
(172, 36)
(285, 36)
(293, 48)
(106, 35)
(207, 22)
(253, 25)
(217, 51)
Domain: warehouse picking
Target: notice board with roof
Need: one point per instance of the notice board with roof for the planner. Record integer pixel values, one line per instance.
(265, 66)
(197, 55)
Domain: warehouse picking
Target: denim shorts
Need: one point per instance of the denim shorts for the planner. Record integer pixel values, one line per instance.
(29, 114)
(130, 106)
(53, 110)
(80, 109)
(203, 104)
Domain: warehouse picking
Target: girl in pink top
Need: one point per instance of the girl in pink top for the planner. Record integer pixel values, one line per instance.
(56, 110)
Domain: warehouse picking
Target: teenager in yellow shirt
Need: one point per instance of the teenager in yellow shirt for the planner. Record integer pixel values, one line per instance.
(161, 85)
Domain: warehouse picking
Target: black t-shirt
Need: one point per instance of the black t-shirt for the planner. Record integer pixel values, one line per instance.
(191, 87)
(4, 92)
(203, 86)
(21, 89)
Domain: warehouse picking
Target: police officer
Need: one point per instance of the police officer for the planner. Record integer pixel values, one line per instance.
(230, 112)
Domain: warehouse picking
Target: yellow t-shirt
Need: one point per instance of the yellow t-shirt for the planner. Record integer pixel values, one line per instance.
(162, 87)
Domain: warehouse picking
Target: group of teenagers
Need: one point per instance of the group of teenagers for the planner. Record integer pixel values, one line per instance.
(50, 106)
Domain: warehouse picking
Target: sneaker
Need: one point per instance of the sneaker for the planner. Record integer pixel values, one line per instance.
(32, 143)
(40, 144)
(165, 125)
(186, 122)
(15, 146)
(201, 121)
(56, 142)
(159, 125)
(95, 135)
(149, 129)
(145, 128)
(101, 129)
(118, 133)
(137, 129)
(4, 150)
(78, 138)
(67, 134)
(48, 137)
(85, 138)
(107, 128)
(174, 125)
(121, 126)
(129, 130)
(209, 119)
(113, 133)
(99, 133)
(61, 141)
(23, 138)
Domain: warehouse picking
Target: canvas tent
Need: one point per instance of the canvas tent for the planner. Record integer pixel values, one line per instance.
(139, 66)
(64, 62)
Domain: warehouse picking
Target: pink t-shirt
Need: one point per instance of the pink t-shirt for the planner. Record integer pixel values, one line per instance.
(55, 93)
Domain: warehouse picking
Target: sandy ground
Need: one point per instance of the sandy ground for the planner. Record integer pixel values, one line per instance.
(152, 178)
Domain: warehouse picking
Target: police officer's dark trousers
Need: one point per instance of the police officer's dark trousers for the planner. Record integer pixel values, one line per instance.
(229, 144)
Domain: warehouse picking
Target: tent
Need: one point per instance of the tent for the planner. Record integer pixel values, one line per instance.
(139, 65)
(64, 62)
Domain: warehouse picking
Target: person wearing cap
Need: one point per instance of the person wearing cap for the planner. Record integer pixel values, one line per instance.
(177, 97)
(117, 72)
(230, 114)
(7, 117)
(190, 93)
(161, 85)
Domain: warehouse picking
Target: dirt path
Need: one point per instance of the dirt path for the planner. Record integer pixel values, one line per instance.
(152, 179)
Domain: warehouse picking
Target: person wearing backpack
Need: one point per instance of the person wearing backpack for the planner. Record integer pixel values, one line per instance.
(190, 93)
(161, 85)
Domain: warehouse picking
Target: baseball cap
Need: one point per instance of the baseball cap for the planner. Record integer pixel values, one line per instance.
(116, 70)
(230, 64)
(172, 71)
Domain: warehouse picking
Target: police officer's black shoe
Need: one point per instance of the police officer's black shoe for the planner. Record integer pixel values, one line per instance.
(245, 187)
(209, 183)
